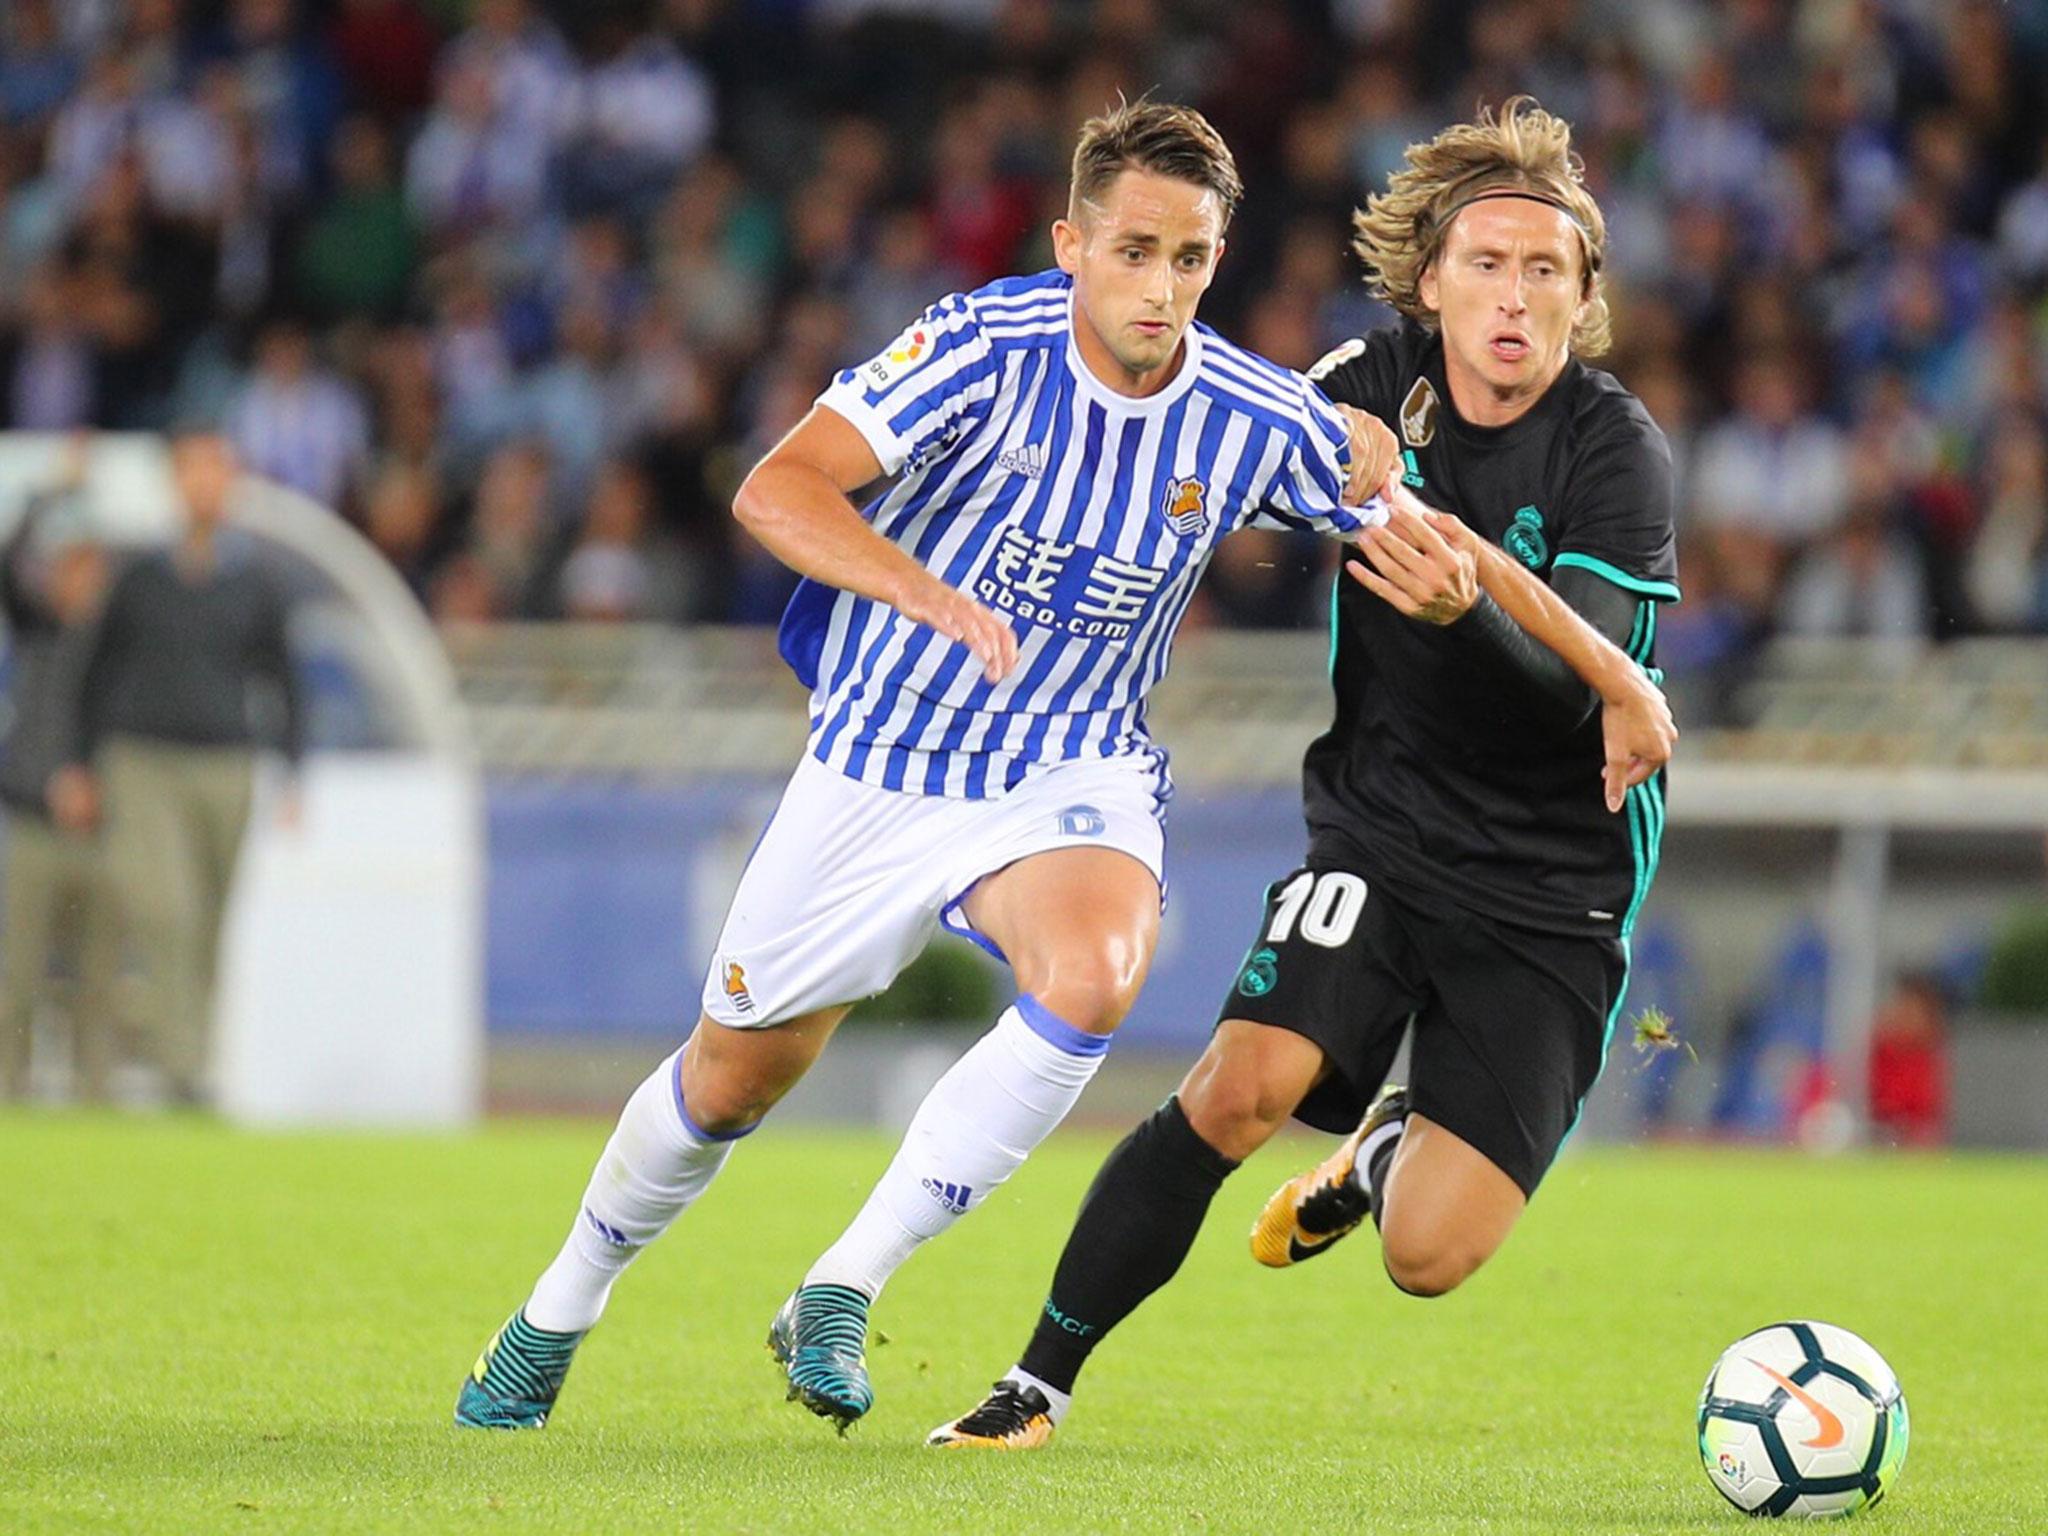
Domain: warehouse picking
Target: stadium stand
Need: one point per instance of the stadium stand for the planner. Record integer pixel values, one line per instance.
(522, 287)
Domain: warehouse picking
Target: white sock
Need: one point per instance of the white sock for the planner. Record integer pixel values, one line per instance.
(977, 1124)
(1059, 1401)
(655, 1165)
(1369, 1151)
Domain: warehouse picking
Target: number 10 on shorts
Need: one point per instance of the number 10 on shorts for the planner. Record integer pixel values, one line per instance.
(1326, 904)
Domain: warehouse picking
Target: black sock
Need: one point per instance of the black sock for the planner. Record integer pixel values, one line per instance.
(1376, 1171)
(1137, 1223)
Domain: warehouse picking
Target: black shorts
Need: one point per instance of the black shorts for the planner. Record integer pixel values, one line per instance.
(1511, 1023)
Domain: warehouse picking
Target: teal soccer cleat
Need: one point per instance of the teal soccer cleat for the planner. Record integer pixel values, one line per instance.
(515, 1380)
(819, 1339)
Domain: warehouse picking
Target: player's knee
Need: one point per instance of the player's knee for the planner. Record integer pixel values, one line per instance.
(723, 1113)
(1232, 1111)
(1094, 991)
(1428, 1266)
(722, 1102)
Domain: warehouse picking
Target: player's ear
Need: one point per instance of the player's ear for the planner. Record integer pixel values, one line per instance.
(1066, 245)
(1586, 295)
(1426, 289)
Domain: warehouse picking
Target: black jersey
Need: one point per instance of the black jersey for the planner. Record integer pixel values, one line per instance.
(1432, 777)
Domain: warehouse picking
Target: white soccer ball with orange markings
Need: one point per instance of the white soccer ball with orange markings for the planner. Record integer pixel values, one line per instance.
(1802, 1419)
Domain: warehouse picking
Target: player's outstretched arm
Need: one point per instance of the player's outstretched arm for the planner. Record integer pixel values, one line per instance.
(796, 503)
(1429, 566)
(1635, 719)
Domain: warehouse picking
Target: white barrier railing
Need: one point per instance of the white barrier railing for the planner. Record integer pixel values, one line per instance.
(1860, 744)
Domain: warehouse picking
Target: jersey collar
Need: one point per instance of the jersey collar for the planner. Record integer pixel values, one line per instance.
(1134, 405)
(1547, 404)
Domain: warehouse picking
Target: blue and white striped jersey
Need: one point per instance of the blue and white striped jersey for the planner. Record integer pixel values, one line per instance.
(1083, 516)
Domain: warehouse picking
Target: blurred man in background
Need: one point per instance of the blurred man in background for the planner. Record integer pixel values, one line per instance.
(52, 577)
(167, 742)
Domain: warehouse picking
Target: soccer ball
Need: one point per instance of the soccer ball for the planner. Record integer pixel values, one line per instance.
(1802, 1419)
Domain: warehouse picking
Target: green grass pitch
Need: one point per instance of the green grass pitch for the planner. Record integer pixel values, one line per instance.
(209, 1330)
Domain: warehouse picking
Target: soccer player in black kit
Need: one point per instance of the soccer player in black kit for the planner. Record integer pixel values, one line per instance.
(1464, 869)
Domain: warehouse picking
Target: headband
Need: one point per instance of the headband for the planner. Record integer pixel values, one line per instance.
(1443, 220)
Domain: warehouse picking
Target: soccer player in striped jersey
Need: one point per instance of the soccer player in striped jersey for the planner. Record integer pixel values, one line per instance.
(980, 639)
(1465, 874)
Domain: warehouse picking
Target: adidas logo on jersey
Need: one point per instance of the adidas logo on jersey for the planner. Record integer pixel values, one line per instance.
(953, 1197)
(1027, 461)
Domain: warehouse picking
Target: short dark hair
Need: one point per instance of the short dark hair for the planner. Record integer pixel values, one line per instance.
(1155, 136)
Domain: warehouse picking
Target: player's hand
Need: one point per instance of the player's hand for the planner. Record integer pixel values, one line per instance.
(1409, 563)
(1374, 453)
(959, 617)
(1448, 524)
(74, 797)
(1637, 731)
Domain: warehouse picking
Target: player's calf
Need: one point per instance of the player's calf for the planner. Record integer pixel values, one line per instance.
(1444, 1209)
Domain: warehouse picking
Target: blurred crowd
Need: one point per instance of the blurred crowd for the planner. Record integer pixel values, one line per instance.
(521, 287)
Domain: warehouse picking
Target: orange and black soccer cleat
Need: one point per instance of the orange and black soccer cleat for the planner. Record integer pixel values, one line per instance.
(1013, 1417)
(1312, 1210)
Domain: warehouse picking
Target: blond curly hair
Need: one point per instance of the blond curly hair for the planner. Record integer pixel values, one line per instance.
(1400, 232)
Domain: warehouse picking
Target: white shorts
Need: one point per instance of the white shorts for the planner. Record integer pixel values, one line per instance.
(849, 882)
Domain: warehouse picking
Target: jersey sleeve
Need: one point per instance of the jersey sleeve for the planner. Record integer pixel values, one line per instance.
(1307, 490)
(922, 392)
(1618, 524)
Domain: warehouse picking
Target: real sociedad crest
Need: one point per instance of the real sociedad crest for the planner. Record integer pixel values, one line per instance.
(736, 987)
(1187, 506)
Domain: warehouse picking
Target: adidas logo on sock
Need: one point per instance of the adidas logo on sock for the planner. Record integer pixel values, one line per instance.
(606, 1230)
(953, 1197)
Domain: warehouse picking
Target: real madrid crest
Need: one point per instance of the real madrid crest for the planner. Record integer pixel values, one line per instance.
(1524, 538)
(1418, 415)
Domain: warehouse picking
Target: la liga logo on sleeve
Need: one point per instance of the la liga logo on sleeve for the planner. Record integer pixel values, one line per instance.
(903, 354)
